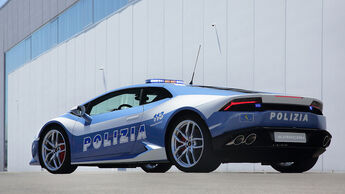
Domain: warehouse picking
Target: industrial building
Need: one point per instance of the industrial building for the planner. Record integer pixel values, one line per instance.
(55, 54)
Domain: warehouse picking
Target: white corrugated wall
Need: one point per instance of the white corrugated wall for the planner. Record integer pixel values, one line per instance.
(289, 46)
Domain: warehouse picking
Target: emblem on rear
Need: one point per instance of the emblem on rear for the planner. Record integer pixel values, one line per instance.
(247, 117)
(279, 116)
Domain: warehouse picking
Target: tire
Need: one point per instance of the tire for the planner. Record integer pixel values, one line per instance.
(295, 167)
(54, 153)
(189, 145)
(156, 168)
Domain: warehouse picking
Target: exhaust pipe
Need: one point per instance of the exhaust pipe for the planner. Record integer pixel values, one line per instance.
(250, 139)
(326, 141)
(237, 141)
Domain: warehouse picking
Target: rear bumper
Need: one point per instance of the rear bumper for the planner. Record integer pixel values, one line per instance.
(265, 150)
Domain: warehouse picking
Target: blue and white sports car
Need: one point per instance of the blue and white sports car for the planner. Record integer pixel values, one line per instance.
(196, 128)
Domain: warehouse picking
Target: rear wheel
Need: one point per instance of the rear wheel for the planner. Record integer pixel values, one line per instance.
(156, 168)
(54, 152)
(295, 167)
(189, 145)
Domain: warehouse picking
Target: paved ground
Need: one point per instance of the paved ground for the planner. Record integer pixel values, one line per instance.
(173, 182)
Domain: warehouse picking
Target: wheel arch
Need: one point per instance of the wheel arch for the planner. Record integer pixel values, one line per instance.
(51, 124)
(45, 128)
(177, 114)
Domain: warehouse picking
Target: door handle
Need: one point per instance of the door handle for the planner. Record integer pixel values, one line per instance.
(132, 117)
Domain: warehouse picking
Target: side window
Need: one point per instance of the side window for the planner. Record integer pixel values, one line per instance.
(154, 94)
(115, 101)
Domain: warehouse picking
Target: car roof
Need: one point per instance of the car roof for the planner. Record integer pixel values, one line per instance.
(182, 89)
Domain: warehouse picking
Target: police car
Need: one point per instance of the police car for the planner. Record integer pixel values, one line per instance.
(196, 128)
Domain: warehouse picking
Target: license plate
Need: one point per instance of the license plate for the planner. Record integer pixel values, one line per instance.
(288, 137)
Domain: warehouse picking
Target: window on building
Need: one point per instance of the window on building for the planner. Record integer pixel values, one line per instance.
(103, 8)
(18, 55)
(44, 38)
(69, 23)
(75, 19)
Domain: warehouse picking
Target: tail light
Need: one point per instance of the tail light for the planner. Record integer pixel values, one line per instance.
(316, 106)
(243, 104)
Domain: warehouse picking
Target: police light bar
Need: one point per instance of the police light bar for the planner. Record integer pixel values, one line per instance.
(148, 81)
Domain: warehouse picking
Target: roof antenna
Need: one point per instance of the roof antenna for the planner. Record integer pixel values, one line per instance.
(196, 62)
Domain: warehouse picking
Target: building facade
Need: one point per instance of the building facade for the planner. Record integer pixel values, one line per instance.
(56, 56)
(18, 20)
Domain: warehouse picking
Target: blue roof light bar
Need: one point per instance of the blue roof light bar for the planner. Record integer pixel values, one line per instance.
(148, 81)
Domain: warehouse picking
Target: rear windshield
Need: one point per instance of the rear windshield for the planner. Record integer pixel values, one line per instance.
(230, 89)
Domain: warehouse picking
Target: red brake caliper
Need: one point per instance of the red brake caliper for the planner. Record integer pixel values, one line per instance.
(183, 148)
(62, 154)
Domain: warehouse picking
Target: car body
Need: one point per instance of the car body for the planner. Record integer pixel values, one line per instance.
(164, 122)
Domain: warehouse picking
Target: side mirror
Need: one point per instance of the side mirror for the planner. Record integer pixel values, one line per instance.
(82, 112)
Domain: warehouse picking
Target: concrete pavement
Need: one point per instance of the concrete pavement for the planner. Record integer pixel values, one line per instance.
(171, 182)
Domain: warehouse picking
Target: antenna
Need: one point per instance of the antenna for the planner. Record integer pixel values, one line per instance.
(196, 62)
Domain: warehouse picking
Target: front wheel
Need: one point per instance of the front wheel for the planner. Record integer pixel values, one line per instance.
(156, 168)
(54, 152)
(295, 167)
(189, 145)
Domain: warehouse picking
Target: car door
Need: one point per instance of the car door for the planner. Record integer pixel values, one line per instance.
(112, 132)
(153, 117)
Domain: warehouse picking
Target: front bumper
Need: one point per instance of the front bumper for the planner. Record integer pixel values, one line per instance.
(34, 151)
(265, 150)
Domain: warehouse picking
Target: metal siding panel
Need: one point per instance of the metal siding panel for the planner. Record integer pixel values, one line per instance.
(80, 74)
(3, 17)
(113, 52)
(30, 130)
(155, 38)
(215, 44)
(23, 19)
(46, 89)
(90, 40)
(303, 49)
(23, 121)
(12, 24)
(35, 90)
(12, 120)
(333, 81)
(173, 39)
(100, 54)
(269, 72)
(61, 5)
(241, 44)
(54, 83)
(140, 42)
(193, 35)
(2, 93)
(126, 68)
(70, 73)
(62, 72)
(49, 9)
(70, 2)
(36, 14)
(39, 71)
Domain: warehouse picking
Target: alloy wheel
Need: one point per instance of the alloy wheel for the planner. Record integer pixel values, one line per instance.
(187, 143)
(53, 150)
